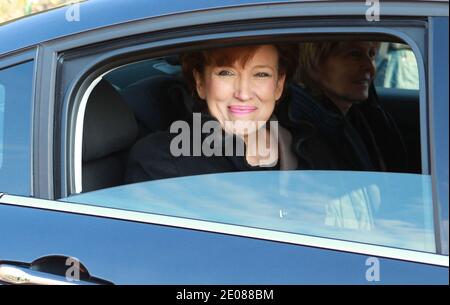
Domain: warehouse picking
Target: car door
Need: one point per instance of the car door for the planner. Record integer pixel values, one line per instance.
(114, 238)
(134, 248)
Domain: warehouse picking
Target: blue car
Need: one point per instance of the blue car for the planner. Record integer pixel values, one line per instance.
(80, 84)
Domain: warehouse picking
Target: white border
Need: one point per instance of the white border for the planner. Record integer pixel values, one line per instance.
(303, 240)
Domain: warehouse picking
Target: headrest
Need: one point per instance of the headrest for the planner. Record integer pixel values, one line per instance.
(173, 60)
(109, 125)
(157, 101)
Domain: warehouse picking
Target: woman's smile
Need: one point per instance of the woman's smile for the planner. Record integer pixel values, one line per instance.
(241, 110)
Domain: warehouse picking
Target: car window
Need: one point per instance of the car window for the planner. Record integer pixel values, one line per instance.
(15, 128)
(396, 67)
(386, 209)
(392, 207)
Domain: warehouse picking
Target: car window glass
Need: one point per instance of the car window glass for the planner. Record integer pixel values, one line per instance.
(396, 67)
(386, 209)
(15, 128)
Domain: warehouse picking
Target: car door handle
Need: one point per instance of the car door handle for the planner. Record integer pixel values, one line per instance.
(47, 270)
(16, 275)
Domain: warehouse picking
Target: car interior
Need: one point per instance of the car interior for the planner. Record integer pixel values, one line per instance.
(137, 99)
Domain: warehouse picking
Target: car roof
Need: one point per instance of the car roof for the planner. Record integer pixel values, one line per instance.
(48, 25)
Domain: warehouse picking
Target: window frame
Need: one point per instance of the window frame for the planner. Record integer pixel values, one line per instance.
(115, 58)
(124, 55)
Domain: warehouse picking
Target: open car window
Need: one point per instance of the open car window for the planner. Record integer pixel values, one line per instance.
(145, 97)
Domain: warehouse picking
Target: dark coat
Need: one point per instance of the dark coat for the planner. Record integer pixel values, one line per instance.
(365, 139)
(151, 158)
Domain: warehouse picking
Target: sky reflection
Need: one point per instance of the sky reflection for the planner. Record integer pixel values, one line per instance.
(378, 208)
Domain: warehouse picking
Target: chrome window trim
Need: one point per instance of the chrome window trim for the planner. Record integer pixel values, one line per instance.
(78, 146)
(235, 230)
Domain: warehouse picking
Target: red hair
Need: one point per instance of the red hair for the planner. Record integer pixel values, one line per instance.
(197, 61)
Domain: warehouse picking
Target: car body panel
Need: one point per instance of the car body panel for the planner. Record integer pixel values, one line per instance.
(104, 13)
(439, 64)
(134, 253)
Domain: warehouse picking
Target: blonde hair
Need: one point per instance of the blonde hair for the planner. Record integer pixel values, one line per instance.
(311, 56)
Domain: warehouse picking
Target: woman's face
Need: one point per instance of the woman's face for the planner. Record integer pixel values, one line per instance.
(242, 93)
(347, 74)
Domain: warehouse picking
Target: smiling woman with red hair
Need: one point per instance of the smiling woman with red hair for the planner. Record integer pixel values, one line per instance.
(236, 90)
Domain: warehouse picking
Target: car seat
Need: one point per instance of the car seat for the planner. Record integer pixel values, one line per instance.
(109, 130)
(157, 101)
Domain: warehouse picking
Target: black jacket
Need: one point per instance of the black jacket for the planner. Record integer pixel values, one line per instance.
(365, 139)
(151, 157)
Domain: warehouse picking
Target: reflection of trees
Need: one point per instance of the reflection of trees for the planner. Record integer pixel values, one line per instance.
(354, 210)
(12, 9)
